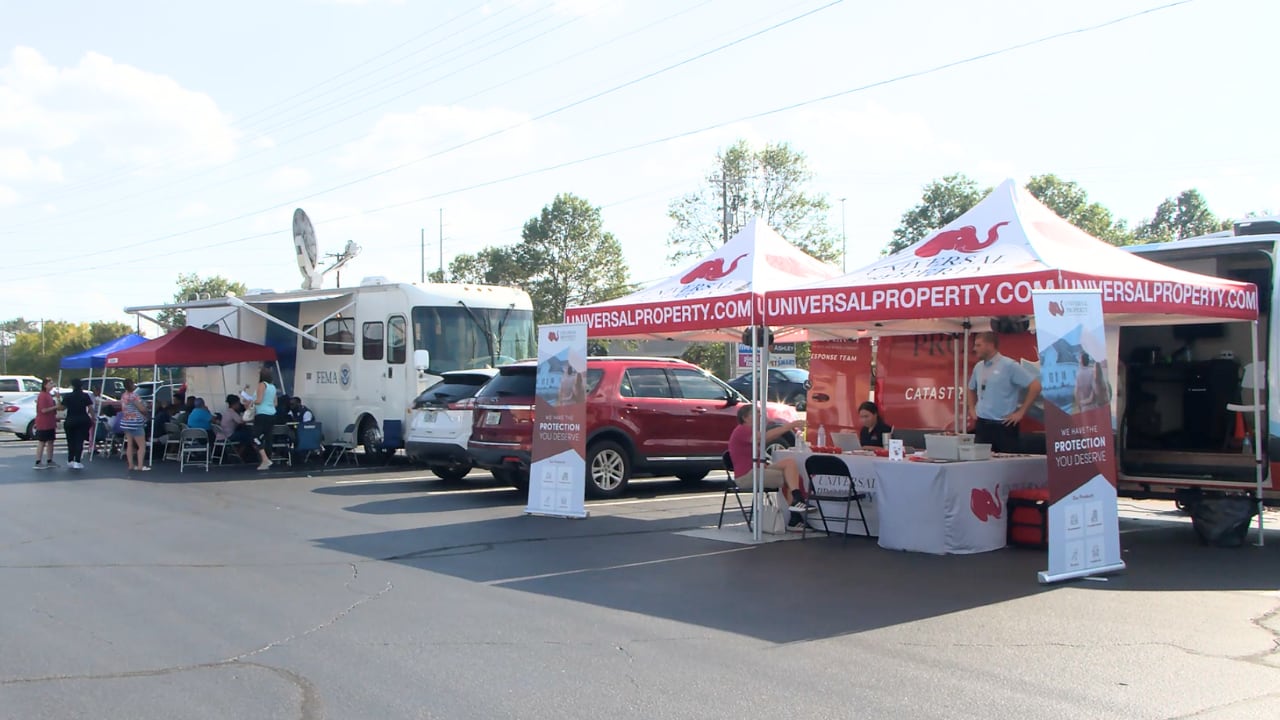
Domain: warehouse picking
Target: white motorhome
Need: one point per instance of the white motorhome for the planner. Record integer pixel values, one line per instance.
(1187, 391)
(358, 356)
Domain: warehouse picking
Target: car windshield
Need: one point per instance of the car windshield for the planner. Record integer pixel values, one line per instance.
(510, 383)
(450, 390)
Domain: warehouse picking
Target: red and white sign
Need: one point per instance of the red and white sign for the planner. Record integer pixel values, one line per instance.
(840, 377)
(916, 378)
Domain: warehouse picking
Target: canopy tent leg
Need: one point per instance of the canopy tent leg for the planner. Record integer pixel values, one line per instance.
(93, 425)
(963, 426)
(155, 398)
(1257, 434)
(757, 440)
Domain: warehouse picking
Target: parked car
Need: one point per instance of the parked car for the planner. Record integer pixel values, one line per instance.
(163, 391)
(18, 416)
(789, 385)
(645, 416)
(109, 386)
(13, 387)
(440, 423)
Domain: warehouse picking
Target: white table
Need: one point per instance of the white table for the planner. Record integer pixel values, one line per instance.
(940, 508)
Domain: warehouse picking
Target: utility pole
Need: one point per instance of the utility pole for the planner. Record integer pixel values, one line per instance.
(844, 240)
(442, 244)
(422, 256)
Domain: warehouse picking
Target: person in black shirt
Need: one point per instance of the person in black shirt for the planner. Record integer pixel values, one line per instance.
(79, 407)
(873, 426)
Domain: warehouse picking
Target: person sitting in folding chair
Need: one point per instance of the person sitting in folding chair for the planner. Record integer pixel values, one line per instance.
(233, 428)
(778, 475)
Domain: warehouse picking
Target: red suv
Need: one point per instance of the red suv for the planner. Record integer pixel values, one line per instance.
(645, 416)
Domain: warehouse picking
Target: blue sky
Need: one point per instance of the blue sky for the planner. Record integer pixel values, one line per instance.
(140, 139)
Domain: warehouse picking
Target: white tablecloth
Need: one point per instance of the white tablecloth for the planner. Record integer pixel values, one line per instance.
(938, 508)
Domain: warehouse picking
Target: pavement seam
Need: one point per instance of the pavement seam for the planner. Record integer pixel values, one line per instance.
(1214, 708)
(1261, 622)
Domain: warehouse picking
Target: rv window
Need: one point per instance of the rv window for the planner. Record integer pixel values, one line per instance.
(340, 336)
(395, 340)
(307, 342)
(372, 346)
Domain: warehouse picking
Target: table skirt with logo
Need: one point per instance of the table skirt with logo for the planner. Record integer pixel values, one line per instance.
(939, 508)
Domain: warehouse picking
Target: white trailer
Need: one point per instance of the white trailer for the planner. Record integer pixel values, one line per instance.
(358, 356)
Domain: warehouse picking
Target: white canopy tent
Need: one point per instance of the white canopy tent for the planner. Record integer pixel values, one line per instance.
(715, 299)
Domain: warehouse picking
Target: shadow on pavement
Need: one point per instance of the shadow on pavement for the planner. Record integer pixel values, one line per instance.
(851, 586)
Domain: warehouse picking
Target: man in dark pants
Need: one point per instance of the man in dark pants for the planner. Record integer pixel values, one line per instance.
(995, 385)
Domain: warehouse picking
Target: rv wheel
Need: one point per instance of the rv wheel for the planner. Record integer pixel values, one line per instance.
(371, 439)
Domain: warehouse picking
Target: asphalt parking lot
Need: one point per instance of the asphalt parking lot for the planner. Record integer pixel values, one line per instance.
(384, 593)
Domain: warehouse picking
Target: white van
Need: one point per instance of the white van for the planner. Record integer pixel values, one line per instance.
(13, 387)
(358, 356)
(1184, 406)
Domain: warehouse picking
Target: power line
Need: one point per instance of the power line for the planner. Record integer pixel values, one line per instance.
(116, 207)
(458, 146)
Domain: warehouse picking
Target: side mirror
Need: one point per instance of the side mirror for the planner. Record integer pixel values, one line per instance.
(421, 360)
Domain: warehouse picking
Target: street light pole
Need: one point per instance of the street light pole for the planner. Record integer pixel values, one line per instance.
(844, 240)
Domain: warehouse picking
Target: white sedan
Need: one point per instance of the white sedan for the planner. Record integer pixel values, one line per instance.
(19, 416)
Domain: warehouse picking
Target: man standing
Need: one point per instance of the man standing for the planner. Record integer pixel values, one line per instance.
(995, 383)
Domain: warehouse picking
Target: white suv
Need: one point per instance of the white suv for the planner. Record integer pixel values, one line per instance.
(440, 423)
(13, 387)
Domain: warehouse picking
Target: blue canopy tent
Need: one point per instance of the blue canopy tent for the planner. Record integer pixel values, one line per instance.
(96, 357)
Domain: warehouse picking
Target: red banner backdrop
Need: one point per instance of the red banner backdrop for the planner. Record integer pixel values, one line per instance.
(915, 378)
(840, 371)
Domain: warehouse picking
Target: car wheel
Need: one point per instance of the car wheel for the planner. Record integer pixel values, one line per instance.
(451, 473)
(692, 476)
(31, 431)
(781, 443)
(798, 400)
(608, 469)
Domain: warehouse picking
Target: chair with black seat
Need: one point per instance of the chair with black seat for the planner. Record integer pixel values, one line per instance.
(837, 488)
(342, 447)
(731, 488)
(193, 449)
(281, 449)
(309, 441)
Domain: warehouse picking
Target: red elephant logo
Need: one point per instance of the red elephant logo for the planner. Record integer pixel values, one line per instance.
(1055, 309)
(711, 270)
(964, 240)
(553, 336)
(985, 505)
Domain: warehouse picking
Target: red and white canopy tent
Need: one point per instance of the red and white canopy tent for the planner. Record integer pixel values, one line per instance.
(191, 347)
(986, 264)
(714, 299)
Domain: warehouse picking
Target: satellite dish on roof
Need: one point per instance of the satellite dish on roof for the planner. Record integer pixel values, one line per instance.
(304, 243)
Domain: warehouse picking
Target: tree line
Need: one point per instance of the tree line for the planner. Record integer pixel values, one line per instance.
(565, 256)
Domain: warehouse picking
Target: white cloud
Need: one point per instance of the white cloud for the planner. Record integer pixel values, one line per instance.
(286, 179)
(588, 8)
(17, 164)
(398, 138)
(193, 210)
(111, 111)
(8, 195)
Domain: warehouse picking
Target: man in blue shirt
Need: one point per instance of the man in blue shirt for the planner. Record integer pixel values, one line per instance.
(995, 384)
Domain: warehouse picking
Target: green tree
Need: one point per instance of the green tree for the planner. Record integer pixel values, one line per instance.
(193, 287)
(1184, 216)
(769, 184)
(1071, 202)
(565, 258)
(941, 202)
(712, 357)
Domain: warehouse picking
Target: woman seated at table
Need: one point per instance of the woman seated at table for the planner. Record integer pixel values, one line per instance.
(874, 427)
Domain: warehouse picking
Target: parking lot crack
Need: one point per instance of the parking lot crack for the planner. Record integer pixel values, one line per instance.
(316, 628)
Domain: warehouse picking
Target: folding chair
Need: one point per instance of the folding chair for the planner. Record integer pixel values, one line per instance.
(344, 445)
(832, 466)
(173, 441)
(281, 445)
(193, 442)
(731, 488)
(310, 441)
